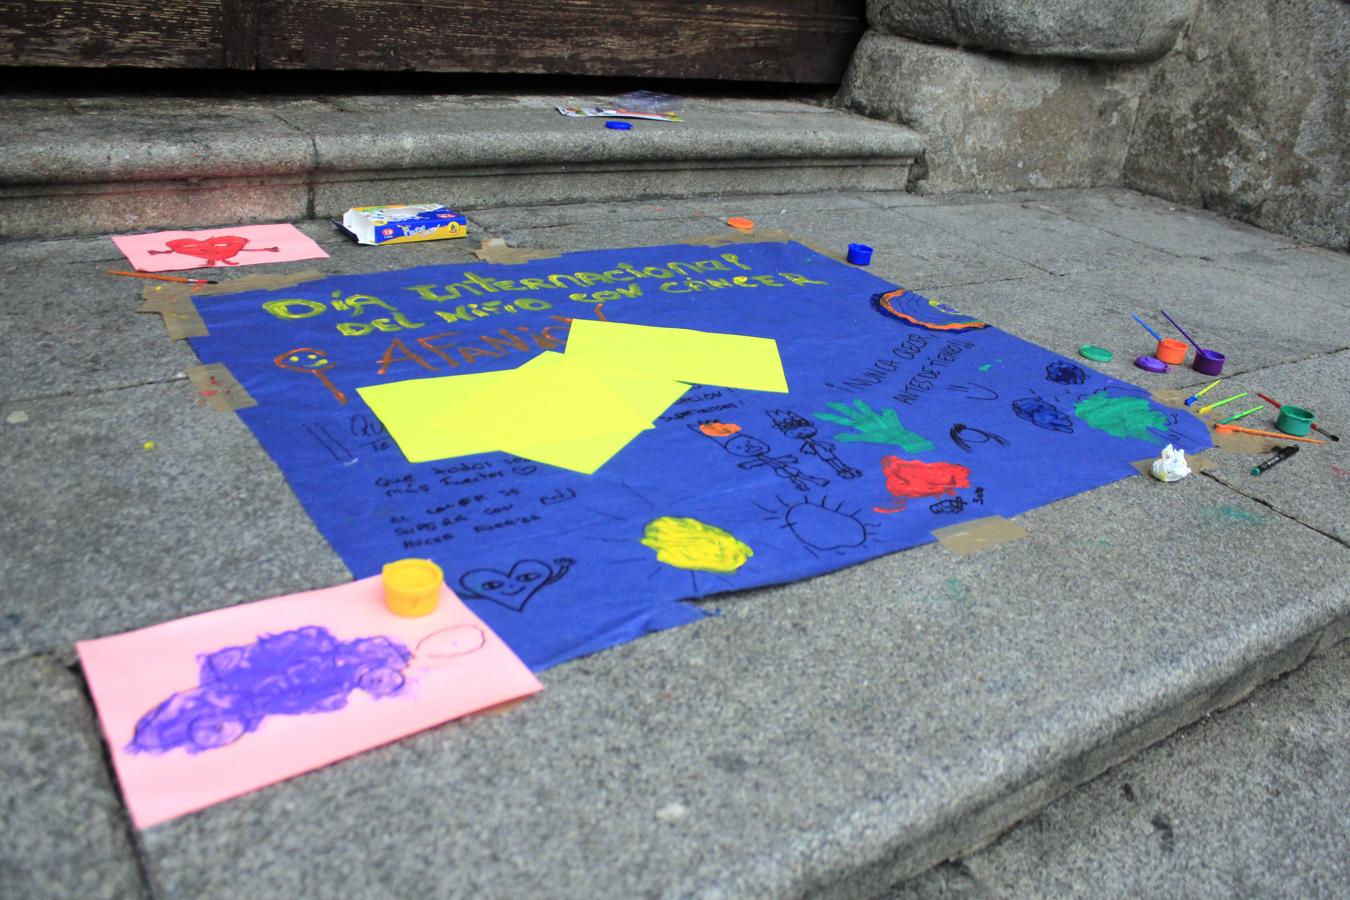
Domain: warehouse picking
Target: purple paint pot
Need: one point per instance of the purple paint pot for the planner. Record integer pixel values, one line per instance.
(1151, 364)
(1208, 362)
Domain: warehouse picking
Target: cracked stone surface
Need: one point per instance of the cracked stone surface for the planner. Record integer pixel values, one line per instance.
(832, 736)
(1247, 803)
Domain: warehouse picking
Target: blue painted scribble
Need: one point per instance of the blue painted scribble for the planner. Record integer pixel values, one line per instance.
(306, 670)
(1042, 415)
(1061, 371)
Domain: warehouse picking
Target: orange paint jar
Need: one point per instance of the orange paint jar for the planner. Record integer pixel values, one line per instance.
(1171, 352)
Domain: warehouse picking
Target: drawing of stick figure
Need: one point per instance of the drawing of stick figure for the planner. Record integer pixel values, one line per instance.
(316, 362)
(756, 454)
(800, 429)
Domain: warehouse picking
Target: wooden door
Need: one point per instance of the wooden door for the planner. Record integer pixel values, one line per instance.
(786, 41)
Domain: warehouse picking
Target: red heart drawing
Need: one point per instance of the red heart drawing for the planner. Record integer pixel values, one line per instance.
(215, 250)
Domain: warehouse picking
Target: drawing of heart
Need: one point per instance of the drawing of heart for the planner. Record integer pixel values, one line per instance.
(515, 588)
(215, 250)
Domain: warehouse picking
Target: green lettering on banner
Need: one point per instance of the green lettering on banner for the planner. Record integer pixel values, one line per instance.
(800, 279)
(282, 308)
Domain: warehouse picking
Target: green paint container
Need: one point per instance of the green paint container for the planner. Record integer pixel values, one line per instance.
(1294, 420)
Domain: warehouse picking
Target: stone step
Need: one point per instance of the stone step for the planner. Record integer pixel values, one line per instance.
(1179, 819)
(828, 737)
(137, 163)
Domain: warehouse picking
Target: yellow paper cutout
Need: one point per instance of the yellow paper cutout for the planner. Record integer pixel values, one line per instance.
(548, 400)
(573, 410)
(595, 430)
(584, 454)
(419, 415)
(681, 354)
(553, 409)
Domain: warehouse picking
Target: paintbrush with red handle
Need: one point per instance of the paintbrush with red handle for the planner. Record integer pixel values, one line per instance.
(1313, 425)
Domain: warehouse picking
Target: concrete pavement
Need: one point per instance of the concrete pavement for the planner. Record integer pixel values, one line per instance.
(1249, 802)
(834, 736)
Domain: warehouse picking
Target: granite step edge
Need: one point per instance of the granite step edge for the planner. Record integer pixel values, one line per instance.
(126, 148)
(870, 851)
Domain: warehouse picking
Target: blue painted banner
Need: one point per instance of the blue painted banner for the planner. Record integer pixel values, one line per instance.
(903, 416)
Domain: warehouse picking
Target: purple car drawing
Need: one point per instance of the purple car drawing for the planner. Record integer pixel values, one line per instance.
(306, 670)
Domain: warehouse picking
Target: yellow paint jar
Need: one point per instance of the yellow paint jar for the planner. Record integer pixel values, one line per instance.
(412, 587)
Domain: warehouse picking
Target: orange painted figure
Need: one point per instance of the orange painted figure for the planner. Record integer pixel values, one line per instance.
(719, 429)
(316, 362)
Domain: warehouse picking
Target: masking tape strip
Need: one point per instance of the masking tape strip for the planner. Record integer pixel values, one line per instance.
(496, 251)
(978, 534)
(1198, 462)
(219, 388)
(757, 236)
(1174, 397)
(173, 302)
(1238, 442)
(259, 282)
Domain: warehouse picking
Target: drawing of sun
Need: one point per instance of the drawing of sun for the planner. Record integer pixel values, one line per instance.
(820, 526)
(690, 544)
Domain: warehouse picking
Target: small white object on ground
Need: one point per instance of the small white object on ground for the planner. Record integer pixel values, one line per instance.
(1171, 466)
(672, 812)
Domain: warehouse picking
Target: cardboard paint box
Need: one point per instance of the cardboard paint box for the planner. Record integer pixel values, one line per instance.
(403, 224)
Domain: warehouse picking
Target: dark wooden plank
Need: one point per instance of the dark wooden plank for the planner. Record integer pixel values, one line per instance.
(148, 33)
(239, 33)
(799, 41)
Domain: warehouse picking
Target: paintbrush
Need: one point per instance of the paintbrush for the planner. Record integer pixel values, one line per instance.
(1245, 412)
(1179, 328)
(1204, 409)
(1275, 434)
(1156, 336)
(176, 278)
(1203, 391)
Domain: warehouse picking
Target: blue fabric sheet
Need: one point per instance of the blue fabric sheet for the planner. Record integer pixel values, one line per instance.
(891, 398)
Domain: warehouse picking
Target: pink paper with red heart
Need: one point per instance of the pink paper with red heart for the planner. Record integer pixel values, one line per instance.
(245, 245)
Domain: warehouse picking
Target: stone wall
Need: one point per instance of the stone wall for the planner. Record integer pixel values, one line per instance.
(997, 123)
(1011, 95)
(1118, 30)
(1249, 118)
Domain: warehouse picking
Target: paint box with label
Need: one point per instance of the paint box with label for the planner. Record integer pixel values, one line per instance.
(403, 224)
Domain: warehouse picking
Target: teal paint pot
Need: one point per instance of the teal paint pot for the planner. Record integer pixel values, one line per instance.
(1294, 420)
